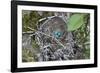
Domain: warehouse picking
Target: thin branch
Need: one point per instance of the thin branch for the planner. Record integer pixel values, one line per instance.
(28, 32)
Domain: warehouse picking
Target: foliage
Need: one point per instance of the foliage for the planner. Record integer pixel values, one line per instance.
(30, 20)
(27, 56)
(82, 36)
(76, 21)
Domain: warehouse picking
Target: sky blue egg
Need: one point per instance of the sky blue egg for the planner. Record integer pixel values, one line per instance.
(57, 34)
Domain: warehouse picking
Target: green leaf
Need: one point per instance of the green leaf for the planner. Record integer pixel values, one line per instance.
(75, 21)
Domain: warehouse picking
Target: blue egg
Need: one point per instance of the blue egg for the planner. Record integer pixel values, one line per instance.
(57, 34)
